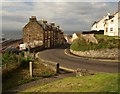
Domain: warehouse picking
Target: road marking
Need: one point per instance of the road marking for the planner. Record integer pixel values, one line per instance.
(68, 69)
(105, 60)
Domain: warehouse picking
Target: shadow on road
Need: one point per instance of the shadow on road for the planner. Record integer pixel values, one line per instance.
(64, 46)
(38, 49)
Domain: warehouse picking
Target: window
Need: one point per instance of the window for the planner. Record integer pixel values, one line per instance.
(111, 29)
(104, 24)
(106, 29)
(112, 21)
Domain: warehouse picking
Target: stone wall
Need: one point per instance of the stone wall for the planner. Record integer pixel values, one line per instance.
(89, 38)
(52, 65)
(103, 53)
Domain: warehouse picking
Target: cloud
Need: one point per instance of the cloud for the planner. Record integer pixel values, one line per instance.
(60, 0)
(73, 16)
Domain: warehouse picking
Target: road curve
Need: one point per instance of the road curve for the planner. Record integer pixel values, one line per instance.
(58, 55)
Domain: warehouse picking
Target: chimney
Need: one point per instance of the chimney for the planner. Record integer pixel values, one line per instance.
(32, 19)
(44, 21)
(108, 14)
(53, 24)
(58, 26)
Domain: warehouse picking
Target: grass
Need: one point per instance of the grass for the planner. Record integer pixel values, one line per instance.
(15, 73)
(21, 75)
(102, 82)
(104, 42)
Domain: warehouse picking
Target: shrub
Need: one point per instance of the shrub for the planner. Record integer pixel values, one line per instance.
(8, 58)
(103, 43)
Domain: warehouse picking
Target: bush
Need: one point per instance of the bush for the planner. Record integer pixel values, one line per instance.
(103, 43)
(81, 45)
(8, 58)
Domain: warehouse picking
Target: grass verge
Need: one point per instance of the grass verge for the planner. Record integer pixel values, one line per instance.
(21, 75)
(104, 42)
(102, 82)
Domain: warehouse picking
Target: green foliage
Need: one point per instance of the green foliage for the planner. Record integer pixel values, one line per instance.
(81, 45)
(21, 75)
(103, 42)
(46, 74)
(102, 82)
(8, 58)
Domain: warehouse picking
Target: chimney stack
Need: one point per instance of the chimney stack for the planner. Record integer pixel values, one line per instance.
(32, 19)
(108, 14)
(44, 21)
(53, 24)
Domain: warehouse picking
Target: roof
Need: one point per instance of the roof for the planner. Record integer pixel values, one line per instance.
(110, 17)
(94, 23)
(47, 26)
(78, 34)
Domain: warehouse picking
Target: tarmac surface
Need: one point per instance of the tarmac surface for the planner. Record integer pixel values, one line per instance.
(71, 62)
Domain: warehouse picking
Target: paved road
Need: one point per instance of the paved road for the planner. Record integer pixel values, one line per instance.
(58, 55)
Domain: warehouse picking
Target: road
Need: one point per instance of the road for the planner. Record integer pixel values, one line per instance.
(58, 55)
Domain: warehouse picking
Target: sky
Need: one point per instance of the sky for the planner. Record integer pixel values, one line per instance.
(71, 15)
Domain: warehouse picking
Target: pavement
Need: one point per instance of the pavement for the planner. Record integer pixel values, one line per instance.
(72, 62)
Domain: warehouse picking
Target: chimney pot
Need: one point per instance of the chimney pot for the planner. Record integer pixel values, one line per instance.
(33, 16)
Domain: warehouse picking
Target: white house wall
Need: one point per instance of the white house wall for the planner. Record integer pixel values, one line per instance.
(116, 25)
(74, 36)
(106, 23)
(99, 25)
(113, 25)
(94, 27)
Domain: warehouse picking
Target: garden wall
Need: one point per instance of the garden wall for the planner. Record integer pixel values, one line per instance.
(103, 53)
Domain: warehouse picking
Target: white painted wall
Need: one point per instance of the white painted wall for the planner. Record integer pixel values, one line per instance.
(94, 27)
(74, 36)
(113, 25)
(99, 25)
(103, 24)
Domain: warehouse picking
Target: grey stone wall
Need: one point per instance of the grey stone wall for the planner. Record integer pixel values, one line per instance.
(103, 53)
(52, 65)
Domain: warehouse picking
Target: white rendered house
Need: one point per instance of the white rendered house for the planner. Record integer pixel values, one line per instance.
(99, 25)
(109, 24)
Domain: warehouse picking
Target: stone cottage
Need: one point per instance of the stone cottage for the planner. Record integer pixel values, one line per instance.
(41, 33)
